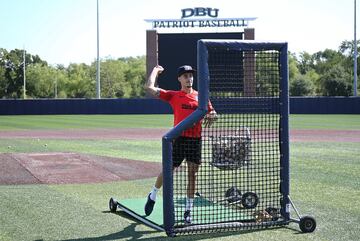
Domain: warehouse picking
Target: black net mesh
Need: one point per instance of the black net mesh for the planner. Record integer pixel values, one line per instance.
(238, 182)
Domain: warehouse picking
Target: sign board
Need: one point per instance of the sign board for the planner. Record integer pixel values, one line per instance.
(199, 18)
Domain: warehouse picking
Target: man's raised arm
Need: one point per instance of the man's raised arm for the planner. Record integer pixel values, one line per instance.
(150, 84)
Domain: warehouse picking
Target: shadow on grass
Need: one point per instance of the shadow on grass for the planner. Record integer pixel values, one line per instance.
(130, 233)
(297, 231)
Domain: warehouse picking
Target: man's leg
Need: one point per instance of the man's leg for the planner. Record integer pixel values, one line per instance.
(177, 157)
(156, 187)
(192, 171)
(149, 206)
(159, 181)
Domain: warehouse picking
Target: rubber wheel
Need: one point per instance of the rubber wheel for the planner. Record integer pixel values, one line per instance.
(113, 205)
(233, 194)
(171, 234)
(307, 224)
(249, 200)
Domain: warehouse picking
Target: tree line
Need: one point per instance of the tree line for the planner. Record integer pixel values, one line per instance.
(324, 73)
(120, 78)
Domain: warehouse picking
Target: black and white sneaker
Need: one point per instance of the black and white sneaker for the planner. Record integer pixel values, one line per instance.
(149, 206)
(187, 217)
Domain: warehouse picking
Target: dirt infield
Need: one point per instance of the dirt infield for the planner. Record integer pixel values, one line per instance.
(12, 172)
(63, 168)
(325, 135)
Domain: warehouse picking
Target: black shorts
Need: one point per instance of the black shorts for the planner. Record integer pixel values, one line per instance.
(188, 148)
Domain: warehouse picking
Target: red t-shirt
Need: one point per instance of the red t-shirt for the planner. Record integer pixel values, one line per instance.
(183, 105)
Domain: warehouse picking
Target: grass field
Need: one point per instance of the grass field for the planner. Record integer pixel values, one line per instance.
(30, 122)
(325, 182)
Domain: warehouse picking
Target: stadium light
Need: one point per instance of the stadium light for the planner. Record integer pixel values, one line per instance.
(98, 96)
(24, 76)
(56, 88)
(355, 52)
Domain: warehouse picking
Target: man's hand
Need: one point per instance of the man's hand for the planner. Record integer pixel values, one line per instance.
(159, 69)
(210, 118)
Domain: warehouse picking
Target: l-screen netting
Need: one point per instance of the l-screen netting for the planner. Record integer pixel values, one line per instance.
(239, 175)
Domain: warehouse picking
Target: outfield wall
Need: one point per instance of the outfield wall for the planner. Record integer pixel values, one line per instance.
(298, 105)
(83, 106)
(325, 105)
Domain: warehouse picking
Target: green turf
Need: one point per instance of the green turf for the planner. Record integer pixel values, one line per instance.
(328, 122)
(30, 122)
(136, 205)
(201, 205)
(55, 122)
(80, 212)
(324, 183)
(130, 149)
(65, 212)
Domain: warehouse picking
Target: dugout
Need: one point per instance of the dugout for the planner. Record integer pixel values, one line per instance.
(172, 50)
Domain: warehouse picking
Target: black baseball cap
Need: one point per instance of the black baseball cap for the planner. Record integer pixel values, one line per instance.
(185, 69)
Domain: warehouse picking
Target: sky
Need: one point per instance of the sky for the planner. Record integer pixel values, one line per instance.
(64, 31)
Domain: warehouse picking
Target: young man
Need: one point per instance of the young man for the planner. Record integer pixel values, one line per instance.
(188, 145)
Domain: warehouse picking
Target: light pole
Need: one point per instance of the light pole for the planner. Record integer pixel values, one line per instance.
(55, 88)
(355, 52)
(98, 96)
(24, 86)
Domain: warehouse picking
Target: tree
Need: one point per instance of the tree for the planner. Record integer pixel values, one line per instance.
(61, 80)
(314, 79)
(81, 81)
(41, 81)
(11, 78)
(301, 86)
(266, 82)
(123, 78)
(305, 62)
(135, 74)
(293, 66)
(13, 73)
(336, 82)
(347, 47)
(3, 82)
(325, 60)
(337, 87)
(113, 82)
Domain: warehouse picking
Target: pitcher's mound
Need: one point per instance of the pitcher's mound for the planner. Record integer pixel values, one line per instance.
(61, 168)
